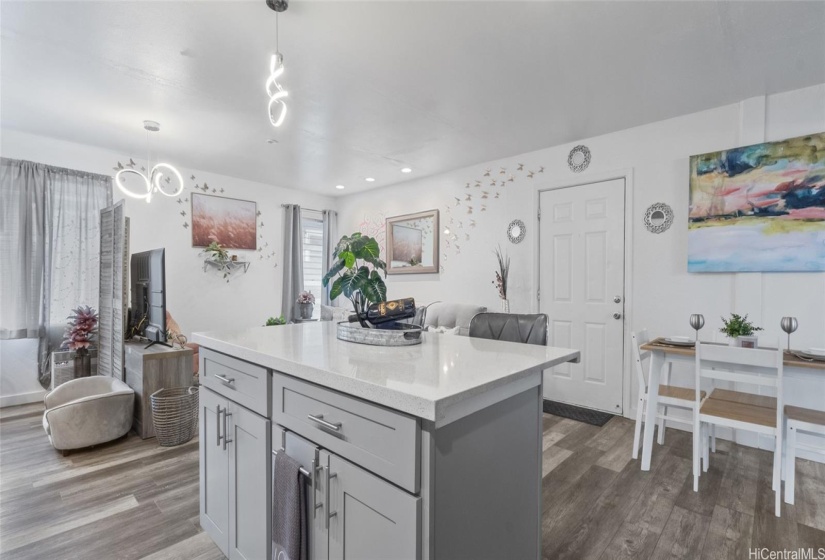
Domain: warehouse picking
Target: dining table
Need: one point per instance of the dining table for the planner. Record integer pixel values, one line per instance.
(663, 354)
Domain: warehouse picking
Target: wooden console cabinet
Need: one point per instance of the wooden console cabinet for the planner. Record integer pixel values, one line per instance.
(150, 369)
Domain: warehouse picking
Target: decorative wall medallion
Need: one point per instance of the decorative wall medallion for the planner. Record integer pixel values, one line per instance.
(658, 217)
(516, 231)
(579, 159)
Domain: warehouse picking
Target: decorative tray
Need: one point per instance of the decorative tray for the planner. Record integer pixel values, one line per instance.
(400, 335)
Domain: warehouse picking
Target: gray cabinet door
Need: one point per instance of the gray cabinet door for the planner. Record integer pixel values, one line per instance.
(373, 520)
(214, 470)
(250, 485)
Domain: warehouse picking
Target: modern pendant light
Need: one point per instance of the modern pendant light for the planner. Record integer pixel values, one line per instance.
(156, 179)
(277, 94)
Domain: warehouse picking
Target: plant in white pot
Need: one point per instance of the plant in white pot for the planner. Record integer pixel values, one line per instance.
(306, 303)
(739, 330)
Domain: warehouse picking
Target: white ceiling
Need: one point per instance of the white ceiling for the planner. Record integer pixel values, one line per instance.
(375, 86)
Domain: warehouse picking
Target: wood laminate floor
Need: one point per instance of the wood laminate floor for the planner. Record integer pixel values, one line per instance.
(133, 499)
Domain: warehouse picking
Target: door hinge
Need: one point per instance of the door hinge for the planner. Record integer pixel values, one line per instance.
(538, 294)
(539, 214)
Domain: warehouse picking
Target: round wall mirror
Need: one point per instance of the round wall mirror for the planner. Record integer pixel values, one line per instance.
(516, 231)
(658, 217)
(578, 159)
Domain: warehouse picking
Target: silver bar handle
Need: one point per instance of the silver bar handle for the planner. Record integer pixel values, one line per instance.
(315, 504)
(227, 380)
(320, 419)
(330, 514)
(218, 424)
(225, 433)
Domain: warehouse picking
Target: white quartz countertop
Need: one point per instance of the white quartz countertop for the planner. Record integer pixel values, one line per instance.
(423, 380)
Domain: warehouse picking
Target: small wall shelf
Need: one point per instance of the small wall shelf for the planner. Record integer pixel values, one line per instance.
(227, 267)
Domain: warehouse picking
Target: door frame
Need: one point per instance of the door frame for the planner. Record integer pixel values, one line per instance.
(586, 179)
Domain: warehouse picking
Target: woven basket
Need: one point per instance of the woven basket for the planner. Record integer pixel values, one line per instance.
(175, 414)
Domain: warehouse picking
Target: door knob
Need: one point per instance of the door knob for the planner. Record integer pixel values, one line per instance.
(617, 299)
(617, 315)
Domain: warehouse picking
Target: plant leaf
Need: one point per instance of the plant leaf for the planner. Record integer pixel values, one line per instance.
(374, 288)
(348, 258)
(352, 281)
(336, 289)
(336, 268)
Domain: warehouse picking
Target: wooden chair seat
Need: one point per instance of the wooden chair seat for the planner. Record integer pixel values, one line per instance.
(682, 393)
(740, 412)
(744, 398)
(805, 415)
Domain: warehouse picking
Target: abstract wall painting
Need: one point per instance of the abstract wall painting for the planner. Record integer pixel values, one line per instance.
(759, 208)
(412, 243)
(229, 221)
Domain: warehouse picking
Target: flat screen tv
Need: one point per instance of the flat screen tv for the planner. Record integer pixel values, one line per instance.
(148, 281)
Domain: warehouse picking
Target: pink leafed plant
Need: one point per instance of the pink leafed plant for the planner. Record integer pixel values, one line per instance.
(306, 297)
(80, 329)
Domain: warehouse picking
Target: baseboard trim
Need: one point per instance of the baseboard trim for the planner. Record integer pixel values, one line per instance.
(22, 398)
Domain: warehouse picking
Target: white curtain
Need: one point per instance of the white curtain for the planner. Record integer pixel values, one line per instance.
(330, 241)
(50, 241)
(293, 261)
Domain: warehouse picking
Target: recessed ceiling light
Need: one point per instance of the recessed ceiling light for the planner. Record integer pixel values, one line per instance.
(271, 141)
(339, 187)
(370, 179)
(406, 170)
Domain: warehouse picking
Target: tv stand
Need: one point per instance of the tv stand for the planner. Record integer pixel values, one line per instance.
(158, 342)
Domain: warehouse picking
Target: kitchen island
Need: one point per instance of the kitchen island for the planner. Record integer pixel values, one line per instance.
(426, 451)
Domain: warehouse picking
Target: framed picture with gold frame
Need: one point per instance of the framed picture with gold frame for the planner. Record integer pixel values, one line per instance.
(412, 243)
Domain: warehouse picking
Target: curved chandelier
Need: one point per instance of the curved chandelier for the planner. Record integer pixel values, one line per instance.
(277, 94)
(156, 179)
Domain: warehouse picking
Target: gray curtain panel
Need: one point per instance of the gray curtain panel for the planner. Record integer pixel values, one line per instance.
(330, 241)
(51, 231)
(293, 261)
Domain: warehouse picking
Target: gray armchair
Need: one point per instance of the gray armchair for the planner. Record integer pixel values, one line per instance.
(529, 329)
(451, 315)
(88, 411)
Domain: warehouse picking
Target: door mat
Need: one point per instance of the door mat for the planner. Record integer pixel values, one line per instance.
(587, 415)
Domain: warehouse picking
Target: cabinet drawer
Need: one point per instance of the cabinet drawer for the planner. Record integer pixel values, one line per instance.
(381, 440)
(242, 382)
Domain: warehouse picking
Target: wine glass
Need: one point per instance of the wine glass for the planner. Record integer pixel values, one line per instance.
(697, 321)
(789, 325)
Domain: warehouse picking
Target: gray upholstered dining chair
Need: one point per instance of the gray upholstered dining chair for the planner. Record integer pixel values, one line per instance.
(510, 327)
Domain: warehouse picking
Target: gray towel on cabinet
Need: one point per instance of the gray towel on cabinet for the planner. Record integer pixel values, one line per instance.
(290, 535)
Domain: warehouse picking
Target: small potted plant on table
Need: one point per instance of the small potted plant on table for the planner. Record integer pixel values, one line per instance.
(306, 303)
(740, 331)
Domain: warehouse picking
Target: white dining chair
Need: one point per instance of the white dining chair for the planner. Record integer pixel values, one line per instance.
(669, 396)
(799, 420)
(758, 367)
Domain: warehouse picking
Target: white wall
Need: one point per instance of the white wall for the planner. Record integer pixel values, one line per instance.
(198, 300)
(663, 293)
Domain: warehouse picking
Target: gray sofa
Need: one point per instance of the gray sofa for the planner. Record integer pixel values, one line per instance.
(88, 411)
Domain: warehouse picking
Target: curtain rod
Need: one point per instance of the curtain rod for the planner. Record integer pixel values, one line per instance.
(304, 208)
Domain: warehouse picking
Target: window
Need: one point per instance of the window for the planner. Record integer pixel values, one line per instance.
(312, 231)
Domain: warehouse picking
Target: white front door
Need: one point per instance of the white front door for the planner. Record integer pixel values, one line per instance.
(581, 278)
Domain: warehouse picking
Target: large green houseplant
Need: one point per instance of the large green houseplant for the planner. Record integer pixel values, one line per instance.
(356, 272)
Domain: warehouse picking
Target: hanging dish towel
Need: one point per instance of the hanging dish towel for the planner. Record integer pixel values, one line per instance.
(290, 535)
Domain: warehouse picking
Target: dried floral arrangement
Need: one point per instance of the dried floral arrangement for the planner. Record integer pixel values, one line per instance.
(80, 329)
(306, 297)
(502, 273)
